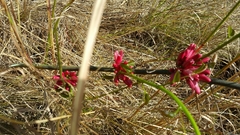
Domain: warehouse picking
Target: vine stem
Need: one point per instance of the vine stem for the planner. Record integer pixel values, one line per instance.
(216, 81)
(174, 97)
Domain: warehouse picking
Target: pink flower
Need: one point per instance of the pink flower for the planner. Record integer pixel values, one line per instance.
(68, 78)
(119, 70)
(118, 56)
(191, 68)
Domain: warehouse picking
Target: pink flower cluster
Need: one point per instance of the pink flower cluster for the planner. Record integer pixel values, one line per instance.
(190, 65)
(68, 78)
(119, 70)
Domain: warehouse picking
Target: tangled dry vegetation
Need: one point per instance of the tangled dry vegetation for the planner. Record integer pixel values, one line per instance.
(151, 33)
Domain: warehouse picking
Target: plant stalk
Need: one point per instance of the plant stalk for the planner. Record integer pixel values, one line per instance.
(174, 97)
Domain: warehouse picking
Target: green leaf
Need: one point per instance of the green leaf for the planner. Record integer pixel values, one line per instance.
(201, 69)
(146, 97)
(211, 64)
(231, 32)
(131, 63)
(64, 94)
(177, 77)
(126, 67)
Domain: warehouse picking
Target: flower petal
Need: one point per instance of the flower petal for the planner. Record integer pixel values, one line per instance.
(193, 85)
(128, 82)
(56, 77)
(204, 78)
(118, 56)
(205, 60)
(68, 78)
(206, 72)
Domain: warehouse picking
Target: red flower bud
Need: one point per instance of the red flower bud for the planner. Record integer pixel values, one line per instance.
(68, 78)
(118, 57)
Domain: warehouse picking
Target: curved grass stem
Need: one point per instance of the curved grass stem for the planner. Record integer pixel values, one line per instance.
(174, 97)
(222, 45)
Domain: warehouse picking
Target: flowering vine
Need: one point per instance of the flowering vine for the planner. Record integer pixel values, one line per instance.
(192, 67)
(119, 70)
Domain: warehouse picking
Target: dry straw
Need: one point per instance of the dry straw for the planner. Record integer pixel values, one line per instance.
(83, 71)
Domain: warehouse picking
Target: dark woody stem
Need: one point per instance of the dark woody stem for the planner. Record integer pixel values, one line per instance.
(135, 71)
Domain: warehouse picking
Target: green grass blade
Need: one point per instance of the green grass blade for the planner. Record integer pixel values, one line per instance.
(224, 19)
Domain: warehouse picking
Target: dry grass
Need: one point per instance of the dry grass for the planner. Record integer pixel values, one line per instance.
(151, 34)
